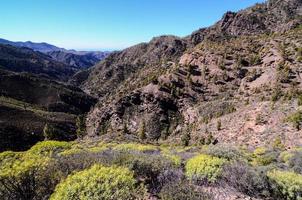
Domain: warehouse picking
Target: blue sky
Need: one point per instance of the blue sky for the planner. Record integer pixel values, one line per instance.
(108, 24)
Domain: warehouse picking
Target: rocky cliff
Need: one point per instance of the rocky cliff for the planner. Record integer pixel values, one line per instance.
(236, 81)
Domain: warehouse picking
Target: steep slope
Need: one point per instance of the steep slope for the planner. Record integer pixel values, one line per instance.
(216, 85)
(26, 60)
(272, 16)
(110, 73)
(79, 61)
(28, 102)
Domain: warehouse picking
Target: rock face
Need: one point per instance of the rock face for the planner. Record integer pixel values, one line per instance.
(234, 73)
(108, 74)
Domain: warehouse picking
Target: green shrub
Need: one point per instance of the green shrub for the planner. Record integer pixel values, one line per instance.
(218, 125)
(142, 131)
(53, 132)
(295, 161)
(204, 167)
(300, 100)
(224, 151)
(81, 126)
(286, 185)
(97, 183)
(185, 139)
(296, 119)
(48, 148)
(263, 157)
(21, 176)
(135, 147)
(171, 156)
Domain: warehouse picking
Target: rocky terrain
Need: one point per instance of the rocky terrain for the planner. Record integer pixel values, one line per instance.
(34, 93)
(78, 60)
(237, 81)
(216, 115)
(28, 103)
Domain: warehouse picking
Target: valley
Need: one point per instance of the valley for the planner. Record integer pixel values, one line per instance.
(215, 115)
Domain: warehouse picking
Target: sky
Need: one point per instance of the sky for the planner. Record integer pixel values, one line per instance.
(108, 24)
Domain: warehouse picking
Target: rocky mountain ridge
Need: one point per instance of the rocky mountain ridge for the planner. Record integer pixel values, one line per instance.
(76, 59)
(27, 60)
(202, 85)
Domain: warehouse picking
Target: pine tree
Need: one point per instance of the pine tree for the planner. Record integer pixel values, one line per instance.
(81, 126)
(142, 131)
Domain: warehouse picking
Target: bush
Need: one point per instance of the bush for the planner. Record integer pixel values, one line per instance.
(224, 151)
(135, 147)
(182, 190)
(55, 132)
(204, 167)
(295, 161)
(286, 185)
(185, 139)
(49, 148)
(300, 100)
(296, 119)
(245, 179)
(172, 157)
(146, 167)
(21, 176)
(81, 126)
(263, 157)
(99, 182)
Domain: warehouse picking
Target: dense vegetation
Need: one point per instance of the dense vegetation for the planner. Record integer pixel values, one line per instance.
(99, 170)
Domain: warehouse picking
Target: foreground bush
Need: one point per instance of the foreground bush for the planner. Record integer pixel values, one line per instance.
(49, 148)
(135, 147)
(286, 185)
(245, 179)
(204, 167)
(224, 151)
(98, 183)
(22, 177)
(182, 190)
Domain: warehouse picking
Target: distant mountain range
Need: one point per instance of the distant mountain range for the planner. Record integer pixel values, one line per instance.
(76, 59)
(21, 59)
(42, 47)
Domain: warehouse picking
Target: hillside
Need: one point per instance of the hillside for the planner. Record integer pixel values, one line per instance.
(27, 60)
(237, 81)
(76, 59)
(79, 60)
(216, 115)
(29, 102)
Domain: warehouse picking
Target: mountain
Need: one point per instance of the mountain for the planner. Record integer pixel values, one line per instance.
(76, 59)
(79, 60)
(242, 73)
(42, 47)
(33, 93)
(27, 60)
(29, 102)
